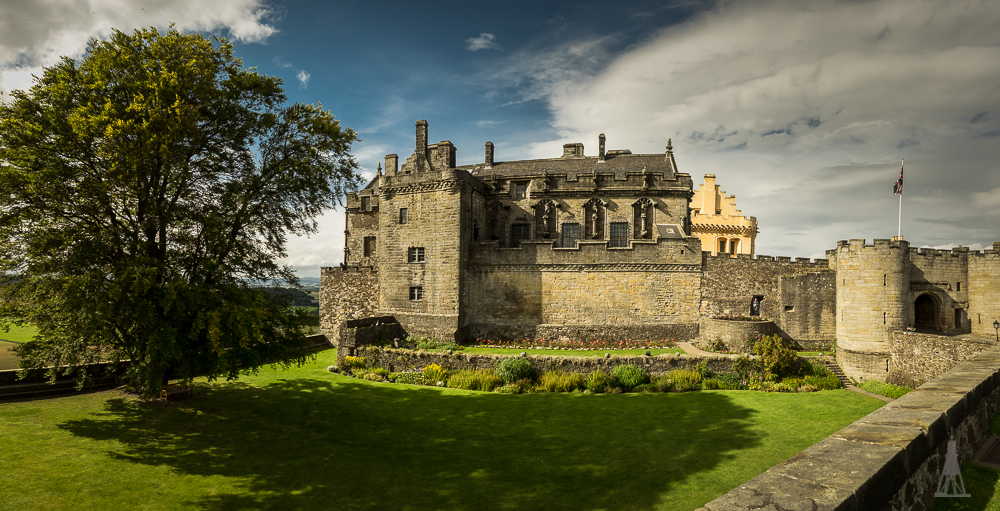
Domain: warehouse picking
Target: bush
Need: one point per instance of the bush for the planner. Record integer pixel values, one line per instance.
(358, 372)
(760, 385)
(822, 382)
(807, 388)
(716, 345)
(435, 373)
(372, 376)
(663, 384)
(629, 376)
(475, 379)
(410, 377)
(684, 379)
(713, 384)
(598, 381)
(381, 371)
(352, 363)
(814, 368)
(517, 387)
(646, 388)
(746, 365)
(731, 381)
(774, 354)
(558, 381)
(513, 369)
(884, 389)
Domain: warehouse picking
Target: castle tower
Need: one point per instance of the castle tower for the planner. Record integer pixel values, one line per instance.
(873, 289)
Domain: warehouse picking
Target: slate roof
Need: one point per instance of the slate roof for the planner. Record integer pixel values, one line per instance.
(619, 164)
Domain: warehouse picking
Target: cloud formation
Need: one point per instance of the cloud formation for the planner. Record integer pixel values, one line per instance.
(303, 77)
(485, 41)
(35, 33)
(804, 111)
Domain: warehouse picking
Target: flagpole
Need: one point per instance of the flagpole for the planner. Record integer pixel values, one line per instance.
(899, 226)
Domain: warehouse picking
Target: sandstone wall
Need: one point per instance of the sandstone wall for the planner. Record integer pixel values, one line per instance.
(943, 274)
(916, 358)
(734, 333)
(346, 293)
(984, 290)
(808, 307)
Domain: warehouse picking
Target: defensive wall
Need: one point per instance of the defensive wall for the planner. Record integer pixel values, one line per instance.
(892, 458)
(346, 293)
(798, 295)
(919, 357)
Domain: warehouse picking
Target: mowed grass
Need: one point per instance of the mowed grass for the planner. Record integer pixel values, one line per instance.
(309, 439)
(572, 353)
(10, 339)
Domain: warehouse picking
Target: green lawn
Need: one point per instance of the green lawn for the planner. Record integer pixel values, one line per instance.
(308, 439)
(572, 353)
(18, 334)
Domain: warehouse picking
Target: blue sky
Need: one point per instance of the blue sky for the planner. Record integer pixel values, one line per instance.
(802, 110)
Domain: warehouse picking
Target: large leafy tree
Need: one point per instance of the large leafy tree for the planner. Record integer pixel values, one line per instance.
(146, 193)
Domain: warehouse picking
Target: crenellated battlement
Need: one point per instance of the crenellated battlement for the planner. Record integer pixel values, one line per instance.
(799, 261)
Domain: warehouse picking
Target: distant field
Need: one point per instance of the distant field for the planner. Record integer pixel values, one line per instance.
(18, 334)
(7, 359)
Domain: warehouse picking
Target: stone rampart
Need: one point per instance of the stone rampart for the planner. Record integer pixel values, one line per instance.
(586, 333)
(984, 290)
(917, 357)
(403, 360)
(889, 460)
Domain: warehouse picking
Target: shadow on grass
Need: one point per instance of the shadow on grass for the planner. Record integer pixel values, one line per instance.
(324, 444)
(981, 483)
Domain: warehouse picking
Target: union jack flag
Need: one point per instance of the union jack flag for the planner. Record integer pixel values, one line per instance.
(897, 188)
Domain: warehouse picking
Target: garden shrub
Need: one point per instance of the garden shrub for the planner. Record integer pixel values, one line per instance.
(814, 368)
(805, 387)
(884, 389)
(784, 387)
(598, 381)
(358, 372)
(629, 375)
(744, 366)
(776, 356)
(381, 371)
(372, 376)
(475, 379)
(663, 383)
(760, 385)
(684, 379)
(646, 388)
(713, 384)
(716, 345)
(513, 369)
(434, 372)
(353, 362)
(732, 381)
(823, 382)
(517, 387)
(559, 381)
(410, 377)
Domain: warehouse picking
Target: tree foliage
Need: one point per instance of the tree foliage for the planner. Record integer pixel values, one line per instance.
(146, 193)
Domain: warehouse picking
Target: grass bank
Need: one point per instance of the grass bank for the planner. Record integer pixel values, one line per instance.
(308, 439)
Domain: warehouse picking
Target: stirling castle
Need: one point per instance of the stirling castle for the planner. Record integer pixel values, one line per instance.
(601, 247)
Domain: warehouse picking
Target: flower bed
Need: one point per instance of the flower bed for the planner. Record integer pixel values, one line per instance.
(555, 344)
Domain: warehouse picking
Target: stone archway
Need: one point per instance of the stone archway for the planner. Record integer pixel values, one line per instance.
(925, 312)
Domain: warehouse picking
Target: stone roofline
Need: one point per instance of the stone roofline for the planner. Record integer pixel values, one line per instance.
(881, 244)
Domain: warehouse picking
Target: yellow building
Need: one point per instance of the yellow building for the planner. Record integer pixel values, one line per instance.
(715, 220)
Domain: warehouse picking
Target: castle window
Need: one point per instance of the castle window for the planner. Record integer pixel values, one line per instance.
(416, 293)
(518, 232)
(732, 246)
(369, 246)
(520, 191)
(958, 286)
(722, 246)
(570, 235)
(415, 255)
(402, 215)
(366, 204)
(619, 234)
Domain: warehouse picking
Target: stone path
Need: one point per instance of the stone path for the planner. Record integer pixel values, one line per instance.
(690, 349)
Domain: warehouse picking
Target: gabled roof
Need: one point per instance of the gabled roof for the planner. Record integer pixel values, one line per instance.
(619, 164)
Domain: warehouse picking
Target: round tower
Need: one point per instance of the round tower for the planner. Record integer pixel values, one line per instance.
(873, 285)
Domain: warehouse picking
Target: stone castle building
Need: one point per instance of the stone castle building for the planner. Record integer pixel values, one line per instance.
(715, 220)
(598, 247)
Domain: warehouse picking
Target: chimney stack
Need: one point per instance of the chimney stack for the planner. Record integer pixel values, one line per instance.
(391, 164)
(600, 153)
(489, 154)
(421, 149)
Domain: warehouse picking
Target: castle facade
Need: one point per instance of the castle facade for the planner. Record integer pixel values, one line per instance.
(599, 247)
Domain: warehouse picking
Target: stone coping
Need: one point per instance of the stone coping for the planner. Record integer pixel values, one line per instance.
(890, 459)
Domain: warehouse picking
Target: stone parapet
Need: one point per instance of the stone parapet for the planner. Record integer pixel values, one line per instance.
(889, 460)
(917, 357)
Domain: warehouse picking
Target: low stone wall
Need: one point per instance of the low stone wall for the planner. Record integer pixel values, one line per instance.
(403, 360)
(734, 333)
(650, 331)
(363, 332)
(889, 460)
(916, 358)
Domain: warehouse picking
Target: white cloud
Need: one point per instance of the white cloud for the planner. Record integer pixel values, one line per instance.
(484, 124)
(485, 41)
(303, 77)
(35, 33)
(803, 111)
